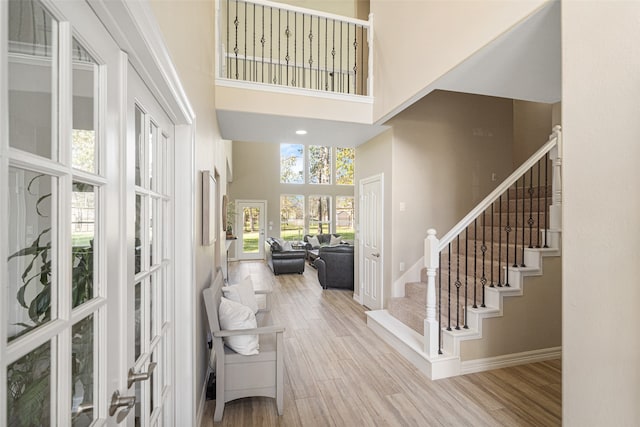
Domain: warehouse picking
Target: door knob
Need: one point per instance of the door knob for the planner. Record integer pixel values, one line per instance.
(377, 255)
(140, 376)
(118, 401)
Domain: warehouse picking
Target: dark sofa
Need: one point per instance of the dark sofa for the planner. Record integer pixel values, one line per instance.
(335, 266)
(282, 260)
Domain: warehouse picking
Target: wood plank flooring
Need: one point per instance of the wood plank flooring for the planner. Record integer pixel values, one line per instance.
(339, 373)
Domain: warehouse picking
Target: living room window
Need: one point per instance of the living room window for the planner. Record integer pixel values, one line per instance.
(319, 213)
(345, 159)
(292, 163)
(345, 217)
(291, 217)
(319, 164)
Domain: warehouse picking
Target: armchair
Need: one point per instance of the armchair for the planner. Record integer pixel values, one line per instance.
(335, 266)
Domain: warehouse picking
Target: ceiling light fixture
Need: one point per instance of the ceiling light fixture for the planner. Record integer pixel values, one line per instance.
(301, 132)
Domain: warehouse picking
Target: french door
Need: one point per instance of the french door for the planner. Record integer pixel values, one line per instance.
(251, 217)
(85, 226)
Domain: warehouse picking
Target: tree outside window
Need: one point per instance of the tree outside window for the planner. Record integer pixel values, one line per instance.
(345, 217)
(291, 217)
(319, 164)
(291, 163)
(319, 214)
(345, 158)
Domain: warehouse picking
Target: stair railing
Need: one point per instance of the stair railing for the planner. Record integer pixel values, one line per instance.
(272, 43)
(507, 246)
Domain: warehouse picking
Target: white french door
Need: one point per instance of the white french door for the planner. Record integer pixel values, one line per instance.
(85, 249)
(371, 262)
(250, 229)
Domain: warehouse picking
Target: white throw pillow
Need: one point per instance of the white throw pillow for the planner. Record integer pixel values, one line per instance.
(243, 293)
(287, 246)
(335, 240)
(314, 242)
(233, 316)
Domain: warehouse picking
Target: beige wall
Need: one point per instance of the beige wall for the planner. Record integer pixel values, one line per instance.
(399, 73)
(342, 7)
(256, 176)
(532, 125)
(601, 214)
(529, 322)
(188, 29)
(445, 148)
(374, 158)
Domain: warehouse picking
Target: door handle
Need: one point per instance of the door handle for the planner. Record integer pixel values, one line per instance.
(118, 401)
(377, 255)
(140, 376)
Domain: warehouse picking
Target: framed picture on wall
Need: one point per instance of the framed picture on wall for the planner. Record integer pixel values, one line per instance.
(209, 211)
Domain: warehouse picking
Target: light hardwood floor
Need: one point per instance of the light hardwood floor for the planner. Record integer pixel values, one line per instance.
(339, 373)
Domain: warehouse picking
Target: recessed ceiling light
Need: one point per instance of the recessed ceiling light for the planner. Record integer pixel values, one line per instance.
(301, 132)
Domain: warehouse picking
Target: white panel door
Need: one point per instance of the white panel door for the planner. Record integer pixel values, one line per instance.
(371, 233)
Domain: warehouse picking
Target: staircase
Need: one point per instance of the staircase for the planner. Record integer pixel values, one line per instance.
(475, 270)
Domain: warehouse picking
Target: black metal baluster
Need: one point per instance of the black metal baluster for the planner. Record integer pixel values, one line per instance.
(466, 276)
(333, 58)
(538, 234)
(500, 241)
(362, 79)
(271, 74)
(524, 198)
(255, 64)
(475, 262)
(355, 59)
(530, 221)
(295, 50)
(310, 51)
(458, 283)
(304, 79)
(449, 293)
(279, 62)
(515, 227)
(319, 81)
(348, 81)
(439, 302)
(236, 22)
(483, 248)
(287, 34)
(326, 53)
(491, 284)
(262, 41)
(508, 230)
(546, 212)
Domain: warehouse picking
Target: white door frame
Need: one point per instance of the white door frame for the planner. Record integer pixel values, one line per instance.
(378, 177)
(133, 26)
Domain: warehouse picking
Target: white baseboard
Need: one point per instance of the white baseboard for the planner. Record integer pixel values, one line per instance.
(497, 362)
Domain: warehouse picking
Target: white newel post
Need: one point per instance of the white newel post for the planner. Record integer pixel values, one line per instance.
(555, 210)
(431, 326)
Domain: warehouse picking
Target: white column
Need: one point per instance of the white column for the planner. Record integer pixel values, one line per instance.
(555, 210)
(431, 325)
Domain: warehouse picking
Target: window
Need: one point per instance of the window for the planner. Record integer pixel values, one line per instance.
(291, 217)
(345, 216)
(344, 165)
(319, 165)
(319, 214)
(292, 163)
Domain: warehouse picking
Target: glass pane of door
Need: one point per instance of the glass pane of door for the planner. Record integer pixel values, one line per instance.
(82, 371)
(251, 217)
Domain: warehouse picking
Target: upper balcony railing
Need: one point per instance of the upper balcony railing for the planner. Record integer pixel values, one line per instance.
(277, 44)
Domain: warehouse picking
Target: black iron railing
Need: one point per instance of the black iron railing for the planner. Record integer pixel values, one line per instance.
(278, 44)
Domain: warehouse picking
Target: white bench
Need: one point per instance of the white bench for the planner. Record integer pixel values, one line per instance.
(240, 376)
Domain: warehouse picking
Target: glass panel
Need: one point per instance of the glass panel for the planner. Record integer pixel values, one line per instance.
(291, 163)
(251, 229)
(85, 107)
(152, 290)
(82, 381)
(319, 165)
(30, 261)
(291, 217)
(29, 389)
(153, 144)
(153, 205)
(138, 418)
(138, 316)
(345, 217)
(139, 127)
(83, 219)
(152, 384)
(32, 60)
(138, 235)
(319, 214)
(345, 160)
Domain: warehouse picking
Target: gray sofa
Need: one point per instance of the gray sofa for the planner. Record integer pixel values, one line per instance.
(282, 260)
(335, 266)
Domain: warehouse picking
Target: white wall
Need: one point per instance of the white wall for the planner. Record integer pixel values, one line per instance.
(601, 216)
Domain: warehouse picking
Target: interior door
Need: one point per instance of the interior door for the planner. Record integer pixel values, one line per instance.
(149, 179)
(251, 217)
(371, 202)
